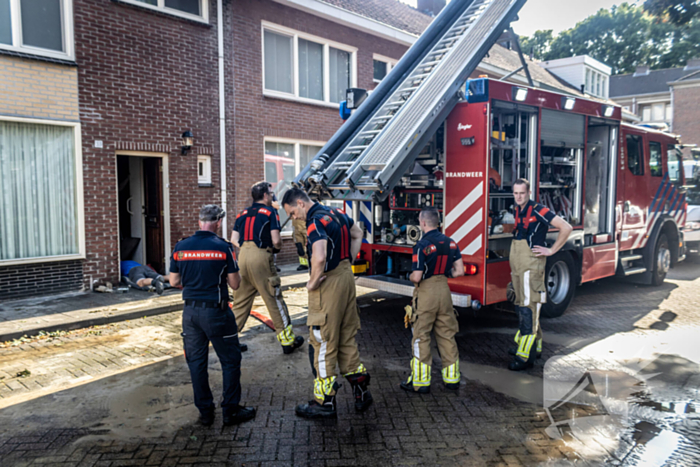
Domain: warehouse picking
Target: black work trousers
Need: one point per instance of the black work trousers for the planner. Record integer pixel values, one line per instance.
(200, 326)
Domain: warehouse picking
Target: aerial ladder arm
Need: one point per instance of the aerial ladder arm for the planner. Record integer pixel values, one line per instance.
(380, 142)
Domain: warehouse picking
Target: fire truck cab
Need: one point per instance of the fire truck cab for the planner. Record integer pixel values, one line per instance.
(610, 180)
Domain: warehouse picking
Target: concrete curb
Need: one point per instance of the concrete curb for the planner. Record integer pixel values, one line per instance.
(113, 317)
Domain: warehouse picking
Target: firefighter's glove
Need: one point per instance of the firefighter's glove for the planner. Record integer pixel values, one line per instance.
(510, 292)
(409, 315)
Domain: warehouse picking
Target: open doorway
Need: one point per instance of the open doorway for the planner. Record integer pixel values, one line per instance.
(143, 214)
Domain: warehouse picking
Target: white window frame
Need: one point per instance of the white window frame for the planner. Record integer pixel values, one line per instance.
(80, 205)
(390, 63)
(205, 178)
(203, 4)
(296, 35)
(68, 52)
(297, 155)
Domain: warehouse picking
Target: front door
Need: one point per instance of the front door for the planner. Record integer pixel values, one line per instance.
(153, 211)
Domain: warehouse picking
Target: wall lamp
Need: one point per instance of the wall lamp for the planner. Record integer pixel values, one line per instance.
(187, 141)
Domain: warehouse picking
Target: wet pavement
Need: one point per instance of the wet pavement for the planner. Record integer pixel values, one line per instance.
(617, 385)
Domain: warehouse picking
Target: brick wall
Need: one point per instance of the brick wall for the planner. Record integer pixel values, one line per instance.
(255, 116)
(144, 78)
(686, 113)
(37, 89)
(27, 280)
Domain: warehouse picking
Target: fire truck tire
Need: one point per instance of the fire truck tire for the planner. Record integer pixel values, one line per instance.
(662, 261)
(560, 280)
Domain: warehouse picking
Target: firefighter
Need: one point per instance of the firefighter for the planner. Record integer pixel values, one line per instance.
(333, 318)
(258, 231)
(205, 264)
(435, 258)
(528, 258)
(300, 242)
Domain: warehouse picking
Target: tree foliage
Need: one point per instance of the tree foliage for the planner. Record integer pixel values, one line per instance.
(622, 37)
(679, 12)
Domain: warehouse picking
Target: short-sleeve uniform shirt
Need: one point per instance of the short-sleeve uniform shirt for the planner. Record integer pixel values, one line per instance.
(204, 261)
(255, 224)
(532, 223)
(323, 223)
(434, 254)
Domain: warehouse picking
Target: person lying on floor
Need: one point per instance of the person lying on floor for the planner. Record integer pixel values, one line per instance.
(144, 277)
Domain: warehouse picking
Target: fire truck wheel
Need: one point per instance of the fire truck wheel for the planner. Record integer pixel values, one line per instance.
(560, 280)
(662, 261)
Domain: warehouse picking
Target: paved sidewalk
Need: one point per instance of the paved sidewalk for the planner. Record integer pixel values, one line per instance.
(84, 309)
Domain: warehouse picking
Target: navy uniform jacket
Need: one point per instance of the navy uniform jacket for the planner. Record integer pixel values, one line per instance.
(255, 223)
(434, 254)
(532, 223)
(323, 223)
(203, 261)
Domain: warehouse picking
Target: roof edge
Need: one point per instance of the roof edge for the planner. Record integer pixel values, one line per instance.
(351, 20)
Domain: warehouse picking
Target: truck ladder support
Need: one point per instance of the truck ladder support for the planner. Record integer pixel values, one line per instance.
(370, 153)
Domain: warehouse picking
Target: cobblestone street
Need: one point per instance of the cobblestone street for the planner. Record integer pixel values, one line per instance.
(120, 394)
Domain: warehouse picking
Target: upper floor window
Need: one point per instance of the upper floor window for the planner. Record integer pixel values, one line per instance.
(305, 67)
(382, 67)
(658, 112)
(596, 83)
(41, 27)
(192, 9)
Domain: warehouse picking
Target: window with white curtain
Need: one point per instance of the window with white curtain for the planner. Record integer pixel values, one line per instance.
(283, 161)
(39, 192)
(305, 67)
(40, 27)
(339, 76)
(278, 62)
(310, 70)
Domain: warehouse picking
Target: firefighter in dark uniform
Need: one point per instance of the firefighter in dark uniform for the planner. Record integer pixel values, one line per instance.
(300, 241)
(257, 231)
(204, 264)
(333, 318)
(435, 258)
(528, 258)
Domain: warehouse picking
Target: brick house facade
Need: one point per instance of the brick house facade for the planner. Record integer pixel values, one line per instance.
(144, 75)
(668, 98)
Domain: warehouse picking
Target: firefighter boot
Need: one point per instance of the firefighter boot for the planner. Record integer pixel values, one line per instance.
(313, 410)
(419, 381)
(298, 342)
(525, 355)
(289, 341)
(359, 383)
(514, 350)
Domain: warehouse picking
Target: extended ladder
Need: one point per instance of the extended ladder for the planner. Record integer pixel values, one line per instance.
(380, 142)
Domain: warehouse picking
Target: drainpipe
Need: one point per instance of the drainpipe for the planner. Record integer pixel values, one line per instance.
(222, 111)
(673, 110)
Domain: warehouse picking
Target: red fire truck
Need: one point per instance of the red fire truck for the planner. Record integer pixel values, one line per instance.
(424, 138)
(607, 179)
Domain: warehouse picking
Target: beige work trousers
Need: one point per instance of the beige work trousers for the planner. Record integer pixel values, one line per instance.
(259, 276)
(333, 323)
(433, 311)
(300, 234)
(527, 274)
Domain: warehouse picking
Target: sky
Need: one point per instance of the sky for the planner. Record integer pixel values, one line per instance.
(554, 14)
